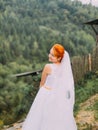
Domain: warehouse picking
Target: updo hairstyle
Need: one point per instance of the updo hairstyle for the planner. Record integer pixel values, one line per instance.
(58, 51)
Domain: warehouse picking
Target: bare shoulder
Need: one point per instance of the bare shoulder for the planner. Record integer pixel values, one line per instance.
(47, 68)
(47, 65)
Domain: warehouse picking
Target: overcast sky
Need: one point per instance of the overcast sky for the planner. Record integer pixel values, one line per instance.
(94, 2)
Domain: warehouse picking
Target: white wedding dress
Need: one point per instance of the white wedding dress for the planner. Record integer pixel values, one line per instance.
(52, 108)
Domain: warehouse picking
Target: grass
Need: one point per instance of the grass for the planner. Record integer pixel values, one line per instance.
(85, 89)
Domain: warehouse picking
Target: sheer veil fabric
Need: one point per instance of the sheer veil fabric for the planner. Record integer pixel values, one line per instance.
(53, 109)
(67, 81)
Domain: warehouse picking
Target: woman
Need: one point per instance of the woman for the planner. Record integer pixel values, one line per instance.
(52, 108)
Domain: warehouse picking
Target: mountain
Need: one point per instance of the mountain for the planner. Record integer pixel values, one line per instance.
(30, 27)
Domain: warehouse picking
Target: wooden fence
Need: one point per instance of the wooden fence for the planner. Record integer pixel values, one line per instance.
(85, 64)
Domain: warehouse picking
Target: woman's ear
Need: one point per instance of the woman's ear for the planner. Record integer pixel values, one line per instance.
(59, 59)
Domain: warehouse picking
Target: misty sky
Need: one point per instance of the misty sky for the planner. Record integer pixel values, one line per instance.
(94, 2)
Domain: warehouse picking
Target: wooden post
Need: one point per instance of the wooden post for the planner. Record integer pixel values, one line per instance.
(89, 62)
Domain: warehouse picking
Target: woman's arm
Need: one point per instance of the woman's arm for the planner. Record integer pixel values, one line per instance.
(45, 72)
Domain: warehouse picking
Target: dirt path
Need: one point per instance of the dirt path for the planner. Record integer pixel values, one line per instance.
(86, 116)
(16, 126)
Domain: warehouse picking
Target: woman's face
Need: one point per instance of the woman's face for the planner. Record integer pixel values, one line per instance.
(52, 57)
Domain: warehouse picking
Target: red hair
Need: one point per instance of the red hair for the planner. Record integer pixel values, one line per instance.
(58, 51)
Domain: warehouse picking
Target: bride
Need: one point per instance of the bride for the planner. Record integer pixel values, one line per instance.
(52, 108)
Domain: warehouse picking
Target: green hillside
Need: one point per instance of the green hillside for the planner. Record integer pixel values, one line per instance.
(28, 28)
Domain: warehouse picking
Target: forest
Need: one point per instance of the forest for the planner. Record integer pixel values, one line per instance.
(28, 29)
